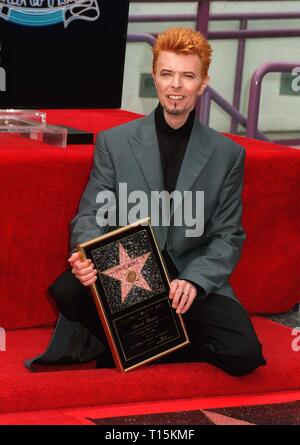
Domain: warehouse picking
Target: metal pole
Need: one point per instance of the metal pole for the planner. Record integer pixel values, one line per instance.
(202, 26)
(238, 76)
(205, 107)
(137, 18)
(251, 34)
(202, 17)
(254, 33)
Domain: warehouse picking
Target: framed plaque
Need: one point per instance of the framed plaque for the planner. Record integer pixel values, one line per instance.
(131, 294)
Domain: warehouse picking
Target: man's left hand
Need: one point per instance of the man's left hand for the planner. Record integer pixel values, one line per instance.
(182, 293)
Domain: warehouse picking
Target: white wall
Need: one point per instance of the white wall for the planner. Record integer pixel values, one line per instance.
(277, 113)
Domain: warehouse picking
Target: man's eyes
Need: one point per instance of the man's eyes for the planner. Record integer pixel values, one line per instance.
(186, 76)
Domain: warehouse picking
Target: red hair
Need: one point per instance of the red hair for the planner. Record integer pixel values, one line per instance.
(183, 41)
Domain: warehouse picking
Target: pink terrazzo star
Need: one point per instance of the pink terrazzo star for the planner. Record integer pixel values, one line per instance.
(128, 272)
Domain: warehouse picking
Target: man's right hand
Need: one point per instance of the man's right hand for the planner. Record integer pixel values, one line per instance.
(84, 270)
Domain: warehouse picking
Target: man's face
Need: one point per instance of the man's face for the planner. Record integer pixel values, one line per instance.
(178, 80)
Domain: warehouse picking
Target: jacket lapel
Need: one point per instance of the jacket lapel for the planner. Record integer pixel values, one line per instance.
(145, 147)
(198, 151)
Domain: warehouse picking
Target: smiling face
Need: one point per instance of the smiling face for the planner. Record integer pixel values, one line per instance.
(179, 81)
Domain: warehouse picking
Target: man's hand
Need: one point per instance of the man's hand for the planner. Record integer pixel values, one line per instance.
(183, 293)
(84, 270)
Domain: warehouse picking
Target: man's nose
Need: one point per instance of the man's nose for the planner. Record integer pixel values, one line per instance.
(176, 81)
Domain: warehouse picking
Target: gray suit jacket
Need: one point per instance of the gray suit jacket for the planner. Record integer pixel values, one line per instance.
(212, 163)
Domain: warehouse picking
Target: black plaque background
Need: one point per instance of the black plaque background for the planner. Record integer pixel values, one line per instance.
(77, 67)
(111, 318)
(132, 347)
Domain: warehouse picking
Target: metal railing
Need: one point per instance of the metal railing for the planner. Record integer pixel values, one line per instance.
(141, 37)
(211, 94)
(255, 94)
(250, 123)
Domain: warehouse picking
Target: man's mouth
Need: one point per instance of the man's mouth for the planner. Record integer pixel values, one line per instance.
(174, 97)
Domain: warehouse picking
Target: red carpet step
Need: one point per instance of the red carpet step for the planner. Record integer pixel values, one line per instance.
(21, 390)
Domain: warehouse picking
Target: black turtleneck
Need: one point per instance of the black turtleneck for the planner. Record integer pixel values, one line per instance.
(172, 144)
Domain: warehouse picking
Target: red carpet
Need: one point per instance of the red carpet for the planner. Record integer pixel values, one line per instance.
(55, 389)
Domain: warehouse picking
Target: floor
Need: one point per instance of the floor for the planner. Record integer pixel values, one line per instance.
(291, 318)
(273, 414)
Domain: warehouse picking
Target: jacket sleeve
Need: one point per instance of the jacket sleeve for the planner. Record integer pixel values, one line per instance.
(87, 223)
(224, 233)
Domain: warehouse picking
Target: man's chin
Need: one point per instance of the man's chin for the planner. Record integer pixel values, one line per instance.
(175, 111)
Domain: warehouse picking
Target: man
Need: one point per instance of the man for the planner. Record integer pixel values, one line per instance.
(170, 150)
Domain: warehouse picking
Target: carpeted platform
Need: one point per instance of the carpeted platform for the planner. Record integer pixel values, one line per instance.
(66, 387)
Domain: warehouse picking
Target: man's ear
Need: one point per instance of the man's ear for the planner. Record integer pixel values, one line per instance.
(204, 84)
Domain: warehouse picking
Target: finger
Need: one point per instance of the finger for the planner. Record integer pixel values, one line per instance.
(177, 296)
(88, 277)
(173, 286)
(80, 265)
(90, 282)
(186, 307)
(85, 271)
(73, 258)
(185, 291)
(187, 288)
(189, 302)
(184, 298)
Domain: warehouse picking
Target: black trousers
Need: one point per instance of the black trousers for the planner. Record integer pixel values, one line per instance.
(219, 328)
